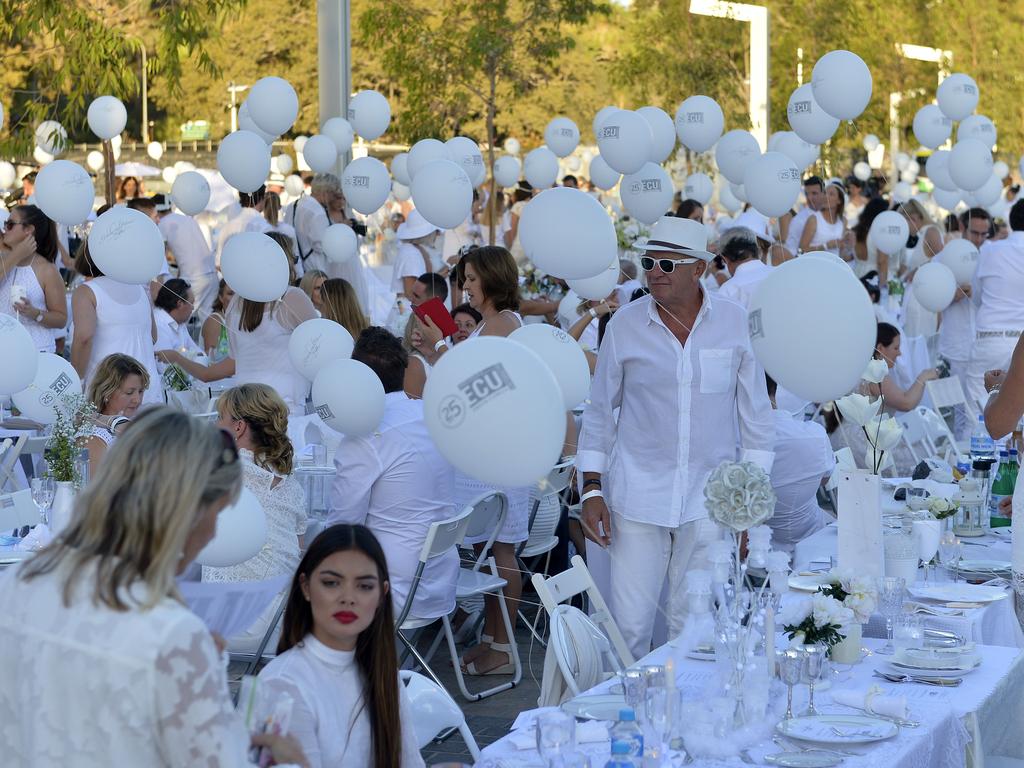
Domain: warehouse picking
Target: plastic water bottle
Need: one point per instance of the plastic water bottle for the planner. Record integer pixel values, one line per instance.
(620, 756)
(982, 444)
(627, 731)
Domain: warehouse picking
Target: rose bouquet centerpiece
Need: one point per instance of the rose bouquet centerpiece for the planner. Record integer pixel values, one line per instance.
(858, 593)
(882, 433)
(816, 620)
(941, 508)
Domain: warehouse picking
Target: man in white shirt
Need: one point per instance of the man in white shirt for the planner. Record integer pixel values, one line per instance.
(192, 253)
(171, 311)
(814, 192)
(396, 483)
(803, 461)
(739, 248)
(678, 367)
(248, 219)
(998, 291)
(308, 215)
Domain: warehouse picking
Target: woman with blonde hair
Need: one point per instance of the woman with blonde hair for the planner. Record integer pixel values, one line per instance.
(257, 418)
(312, 284)
(340, 304)
(924, 243)
(116, 389)
(94, 622)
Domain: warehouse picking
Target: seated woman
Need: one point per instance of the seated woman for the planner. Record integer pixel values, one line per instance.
(93, 623)
(256, 416)
(337, 660)
(339, 303)
(116, 390)
(215, 327)
(887, 347)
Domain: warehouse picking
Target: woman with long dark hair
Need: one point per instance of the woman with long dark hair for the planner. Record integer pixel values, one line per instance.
(866, 257)
(337, 660)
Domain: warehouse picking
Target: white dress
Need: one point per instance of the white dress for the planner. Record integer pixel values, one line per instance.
(88, 686)
(25, 278)
(261, 356)
(329, 715)
(124, 323)
(870, 264)
(824, 231)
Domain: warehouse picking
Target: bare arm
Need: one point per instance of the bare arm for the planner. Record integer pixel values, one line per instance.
(215, 372)
(905, 400)
(97, 450)
(83, 310)
(1005, 407)
(415, 378)
(55, 311)
(211, 332)
(808, 234)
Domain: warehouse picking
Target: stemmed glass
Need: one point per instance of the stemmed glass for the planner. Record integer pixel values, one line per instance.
(556, 734)
(890, 604)
(659, 710)
(791, 664)
(814, 657)
(43, 490)
(949, 551)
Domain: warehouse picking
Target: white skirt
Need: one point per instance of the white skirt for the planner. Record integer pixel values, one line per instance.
(517, 521)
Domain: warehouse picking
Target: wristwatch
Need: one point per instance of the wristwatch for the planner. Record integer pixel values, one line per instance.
(39, 315)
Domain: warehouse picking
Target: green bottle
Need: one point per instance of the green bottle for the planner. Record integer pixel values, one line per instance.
(1002, 486)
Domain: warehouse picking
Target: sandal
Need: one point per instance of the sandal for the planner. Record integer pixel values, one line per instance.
(503, 669)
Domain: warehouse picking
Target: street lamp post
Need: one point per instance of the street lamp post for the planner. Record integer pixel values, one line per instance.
(234, 90)
(145, 99)
(334, 27)
(944, 59)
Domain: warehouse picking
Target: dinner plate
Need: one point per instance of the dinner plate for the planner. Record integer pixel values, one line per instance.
(603, 706)
(894, 668)
(965, 593)
(993, 567)
(808, 759)
(701, 654)
(808, 583)
(11, 556)
(852, 729)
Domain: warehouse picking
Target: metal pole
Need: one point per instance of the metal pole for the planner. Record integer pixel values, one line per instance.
(335, 61)
(234, 111)
(145, 99)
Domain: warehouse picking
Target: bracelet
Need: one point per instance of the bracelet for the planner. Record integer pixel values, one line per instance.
(598, 494)
(593, 313)
(441, 343)
(592, 481)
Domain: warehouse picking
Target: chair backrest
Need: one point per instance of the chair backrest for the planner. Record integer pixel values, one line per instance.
(9, 459)
(488, 512)
(17, 509)
(434, 711)
(580, 649)
(558, 478)
(914, 435)
(945, 393)
(935, 427)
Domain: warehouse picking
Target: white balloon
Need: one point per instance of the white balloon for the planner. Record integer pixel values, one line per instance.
(663, 132)
(94, 160)
(598, 287)
(320, 153)
(254, 266)
(797, 150)
(494, 386)
(339, 243)
(127, 246)
(464, 152)
(512, 146)
(506, 171)
(625, 139)
(442, 193)
(273, 104)
(602, 175)
(931, 127)
(52, 387)
(772, 183)
(155, 150)
(400, 192)
(841, 83)
(970, 164)
(51, 137)
(890, 232)
(734, 152)
(739, 192)
(339, 130)
(946, 199)
(283, 164)
(566, 233)
(934, 286)
(41, 156)
(901, 161)
(190, 192)
(400, 168)
(246, 123)
(563, 356)
(349, 397)
(647, 194)
(366, 184)
(317, 342)
(871, 142)
(299, 142)
(561, 136)
(370, 114)
(107, 117)
(64, 192)
(989, 192)
(8, 175)
(600, 117)
(729, 201)
(937, 168)
(168, 174)
(862, 171)
(540, 167)
(294, 185)
(243, 159)
(914, 167)
(241, 533)
(699, 122)
(18, 351)
(698, 187)
(909, 176)
(183, 166)
(978, 127)
(423, 152)
(1000, 169)
(808, 120)
(957, 96)
(961, 256)
(824, 306)
(574, 163)
(902, 192)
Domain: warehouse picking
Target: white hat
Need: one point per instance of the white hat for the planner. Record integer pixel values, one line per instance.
(674, 235)
(757, 223)
(415, 227)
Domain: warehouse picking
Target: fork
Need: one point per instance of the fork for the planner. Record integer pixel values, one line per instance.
(944, 682)
(789, 744)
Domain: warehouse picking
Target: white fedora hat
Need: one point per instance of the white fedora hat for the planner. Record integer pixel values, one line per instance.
(415, 227)
(674, 235)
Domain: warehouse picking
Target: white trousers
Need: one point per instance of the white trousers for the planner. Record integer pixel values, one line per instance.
(987, 354)
(641, 557)
(204, 288)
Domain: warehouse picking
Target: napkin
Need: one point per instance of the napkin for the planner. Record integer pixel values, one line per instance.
(872, 700)
(588, 732)
(37, 538)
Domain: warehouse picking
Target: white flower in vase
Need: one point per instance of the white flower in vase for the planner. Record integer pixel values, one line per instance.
(884, 434)
(858, 409)
(875, 372)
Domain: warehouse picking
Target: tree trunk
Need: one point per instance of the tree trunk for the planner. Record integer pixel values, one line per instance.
(108, 171)
(492, 200)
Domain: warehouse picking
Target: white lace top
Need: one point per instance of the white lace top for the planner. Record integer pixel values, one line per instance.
(92, 687)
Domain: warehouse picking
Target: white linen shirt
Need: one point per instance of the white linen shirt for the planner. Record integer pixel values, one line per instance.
(744, 281)
(999, 284)
(680, 410)
(396, 483)
(185, 238)
(170, 334)
(310, 221)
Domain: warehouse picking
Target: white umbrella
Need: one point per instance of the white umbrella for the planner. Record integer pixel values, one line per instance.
(135, 169)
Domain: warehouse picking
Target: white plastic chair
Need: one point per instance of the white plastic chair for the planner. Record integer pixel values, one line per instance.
(937, 431)
(434, 712)
(915, 436)
(8, 476)
(584, 655)
(16, 510)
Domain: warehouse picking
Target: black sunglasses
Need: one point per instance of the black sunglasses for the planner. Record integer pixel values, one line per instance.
(666, 265)
(11, 224)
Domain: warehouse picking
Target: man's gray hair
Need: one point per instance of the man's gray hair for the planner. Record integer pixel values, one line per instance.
(325, 182)
(738, 244)
(628, 268)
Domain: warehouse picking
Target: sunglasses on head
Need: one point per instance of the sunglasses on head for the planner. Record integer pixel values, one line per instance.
(11, 224)
(666, 265)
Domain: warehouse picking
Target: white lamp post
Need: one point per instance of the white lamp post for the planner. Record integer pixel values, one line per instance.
(944, 59)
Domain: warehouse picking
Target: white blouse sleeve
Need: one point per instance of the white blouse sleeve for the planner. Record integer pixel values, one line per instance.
(196, 722)
(411, 757)
(303, 724)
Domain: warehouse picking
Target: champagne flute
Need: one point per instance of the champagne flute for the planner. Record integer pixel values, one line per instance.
(814, 657)
(43, 490)
(949, 551)
(890, 603)
(556, 733)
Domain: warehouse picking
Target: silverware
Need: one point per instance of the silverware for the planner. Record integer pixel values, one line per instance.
(943, 682)
(902, 722)
(852, 734)
(790, 744)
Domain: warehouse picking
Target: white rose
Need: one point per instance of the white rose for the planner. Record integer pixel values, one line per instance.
(793, 613)
(875, 372)
(858, 409)
(884, 433)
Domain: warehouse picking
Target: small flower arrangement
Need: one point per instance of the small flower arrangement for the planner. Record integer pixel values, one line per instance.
(535, 284)
(738, 495)
(941, 508)
(818, 619)
(858, 593)
(176, 379)
(72, 426)
(882, 433)
(628, 231)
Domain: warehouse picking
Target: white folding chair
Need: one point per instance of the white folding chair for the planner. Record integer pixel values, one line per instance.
(435, 712)
(949, 393)
(915, 436)
(16, 510)
(937, 431)
(583, 653)
(8, 474)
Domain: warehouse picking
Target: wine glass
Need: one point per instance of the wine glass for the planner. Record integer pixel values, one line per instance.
(660, 703)
(814, 657)
(43, 490)
(556, 733)
(949, 551)
(791, 664)
(890, 604)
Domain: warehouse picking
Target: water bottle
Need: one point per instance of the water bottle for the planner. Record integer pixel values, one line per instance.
(982, 444)
(627, 731)
(620, 756)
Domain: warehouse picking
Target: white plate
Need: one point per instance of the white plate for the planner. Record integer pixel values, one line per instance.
(809, 759)
(901, 669)
(808, 583)
(959, 593)
(597, 707)
(951, 663)
(994, 567)
(700, 655)
(11, 556)
(856, 729)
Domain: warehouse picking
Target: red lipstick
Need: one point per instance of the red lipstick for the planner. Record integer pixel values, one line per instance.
(345, 617)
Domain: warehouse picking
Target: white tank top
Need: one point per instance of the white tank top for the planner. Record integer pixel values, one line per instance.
(824, 232)
(27, 284)
(124, 323)
(261, 357)
(480, 327)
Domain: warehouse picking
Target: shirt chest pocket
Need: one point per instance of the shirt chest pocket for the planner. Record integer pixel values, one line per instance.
(715, 371)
